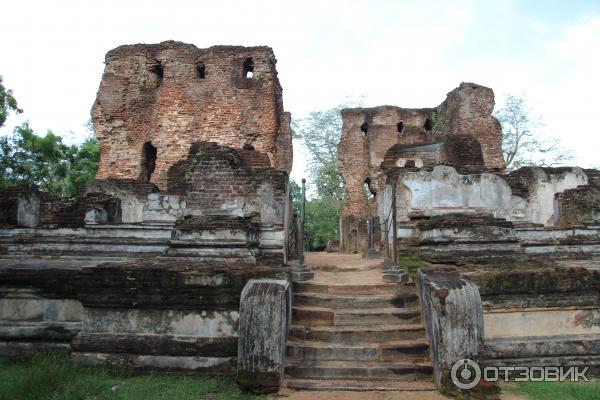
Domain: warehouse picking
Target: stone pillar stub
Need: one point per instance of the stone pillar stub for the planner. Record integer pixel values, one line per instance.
(265, 308)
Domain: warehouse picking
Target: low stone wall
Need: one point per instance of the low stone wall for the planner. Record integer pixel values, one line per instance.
(148, 316)
(506, 315)
(541, 313)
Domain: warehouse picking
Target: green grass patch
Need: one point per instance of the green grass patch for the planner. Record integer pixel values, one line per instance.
(556, 390)
(52, 376)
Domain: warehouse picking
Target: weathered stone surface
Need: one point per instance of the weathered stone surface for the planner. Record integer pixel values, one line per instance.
(578, 206)
(186, 285)
(265, 313)
(171, 95)
(159, 363)
(153, 344)
(453, 314)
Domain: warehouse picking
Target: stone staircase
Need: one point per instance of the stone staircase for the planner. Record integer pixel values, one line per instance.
(357, 337)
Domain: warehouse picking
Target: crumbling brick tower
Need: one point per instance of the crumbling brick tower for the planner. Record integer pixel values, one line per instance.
(460, 132)
(156, 100)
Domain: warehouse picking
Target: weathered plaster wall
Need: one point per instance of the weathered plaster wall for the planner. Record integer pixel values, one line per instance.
(156, 93)
(541, 322)
(443, 190)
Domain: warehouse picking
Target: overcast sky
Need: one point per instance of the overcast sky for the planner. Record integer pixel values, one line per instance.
(405, 53)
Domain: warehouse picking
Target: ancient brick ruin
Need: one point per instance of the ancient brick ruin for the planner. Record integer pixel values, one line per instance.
(460, 132)
(179, 257)
(155, 101)
(147, 264)
(513, 252)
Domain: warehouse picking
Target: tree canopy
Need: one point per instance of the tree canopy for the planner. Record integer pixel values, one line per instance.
(522, 145)
(28, 158)
(7, 103)
(320, 133)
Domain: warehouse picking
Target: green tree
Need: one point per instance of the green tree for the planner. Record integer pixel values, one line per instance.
(521, 144)
(7, 103)
(296, 195)
(320, 133)
(27, 158)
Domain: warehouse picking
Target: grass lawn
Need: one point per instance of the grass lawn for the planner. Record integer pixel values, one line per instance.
(556, 390)
(49, 376)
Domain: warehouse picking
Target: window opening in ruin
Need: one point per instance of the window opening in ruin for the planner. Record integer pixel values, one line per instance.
(157, 69)
(364, 128)
(248, 146)
(428, 125)
(400, 127)
(248, 68)
(201, 71)
(148, 161)
(370, 193)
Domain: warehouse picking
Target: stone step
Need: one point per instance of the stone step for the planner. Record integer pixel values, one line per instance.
(402, 350)
(78, 239)
(358, 370)
(377, 316)
(118, 246)
(312, 316)
(406, 350)
(338, 301)
(211, 252)
(372, 289)
(360, 386)
(338, 268)
(358, 334)
(220, 243)
(368, 316)
(216, 258)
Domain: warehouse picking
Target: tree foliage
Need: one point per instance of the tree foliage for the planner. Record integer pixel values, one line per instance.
(28, 158)
(320, 133)
(521, 144)
(7, 103)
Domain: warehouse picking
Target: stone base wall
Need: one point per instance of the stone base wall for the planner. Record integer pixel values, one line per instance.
(540, 313)
(147, 316)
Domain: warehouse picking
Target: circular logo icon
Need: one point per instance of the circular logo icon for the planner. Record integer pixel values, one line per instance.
(465, 374)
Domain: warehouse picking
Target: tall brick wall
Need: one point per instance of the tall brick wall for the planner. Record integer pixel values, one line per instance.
(360, 155)
(467, 111)
(467, 135)
(173, 95)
